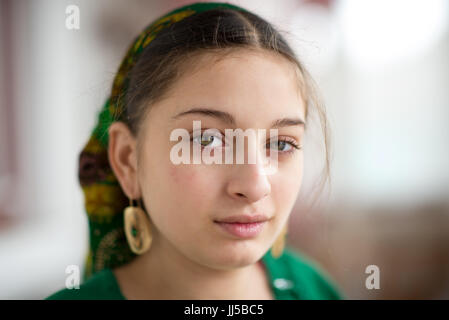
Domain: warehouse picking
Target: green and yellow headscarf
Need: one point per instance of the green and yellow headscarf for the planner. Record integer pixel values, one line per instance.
(104, 198)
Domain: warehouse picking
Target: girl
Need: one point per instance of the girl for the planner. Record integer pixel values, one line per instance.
(166, 230)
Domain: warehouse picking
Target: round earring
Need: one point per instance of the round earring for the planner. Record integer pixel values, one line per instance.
(137, 228)
(278, 247)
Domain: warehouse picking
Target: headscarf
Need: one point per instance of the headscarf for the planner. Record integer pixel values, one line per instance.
(105, 201)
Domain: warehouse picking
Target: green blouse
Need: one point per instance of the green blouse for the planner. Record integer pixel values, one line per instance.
(292, 277)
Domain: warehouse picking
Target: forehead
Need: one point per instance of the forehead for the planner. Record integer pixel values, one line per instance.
(253, 86)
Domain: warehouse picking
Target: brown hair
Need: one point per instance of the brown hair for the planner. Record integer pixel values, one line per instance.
(218, 31)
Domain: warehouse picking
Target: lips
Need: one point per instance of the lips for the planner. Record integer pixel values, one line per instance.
(244, 219)
(243, 230)
(243, 226)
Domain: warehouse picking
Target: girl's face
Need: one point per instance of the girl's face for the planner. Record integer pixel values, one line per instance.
(183, 201)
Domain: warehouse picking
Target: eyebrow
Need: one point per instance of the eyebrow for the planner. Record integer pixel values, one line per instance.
(229, 119)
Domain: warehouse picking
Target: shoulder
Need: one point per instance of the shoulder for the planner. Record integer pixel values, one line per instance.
(310, 280)
(101, 285)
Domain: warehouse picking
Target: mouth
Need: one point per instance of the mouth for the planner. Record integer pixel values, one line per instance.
(243, 226)
(244, 219)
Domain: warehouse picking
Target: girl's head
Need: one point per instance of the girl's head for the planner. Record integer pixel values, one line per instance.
(230, 69)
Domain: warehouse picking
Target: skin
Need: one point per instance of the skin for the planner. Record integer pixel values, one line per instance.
(191, 257)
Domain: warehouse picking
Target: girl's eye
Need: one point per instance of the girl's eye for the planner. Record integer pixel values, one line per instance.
(284, 145)
(206, 140)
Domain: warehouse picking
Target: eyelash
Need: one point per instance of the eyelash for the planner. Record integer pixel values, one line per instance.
(292, 142)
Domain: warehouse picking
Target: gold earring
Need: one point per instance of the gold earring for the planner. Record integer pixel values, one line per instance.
(137, 228)
(278, 247)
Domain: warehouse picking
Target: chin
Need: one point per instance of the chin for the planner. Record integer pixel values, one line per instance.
(236, 256)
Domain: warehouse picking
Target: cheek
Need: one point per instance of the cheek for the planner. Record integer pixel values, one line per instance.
(286, 187)
(190, 202)
(181, 173)
(192, 187)
(183, 178)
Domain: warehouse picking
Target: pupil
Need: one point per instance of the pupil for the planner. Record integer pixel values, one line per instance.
(211, 138)
(282, 143)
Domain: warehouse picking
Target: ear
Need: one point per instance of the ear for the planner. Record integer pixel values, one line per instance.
(123, 158)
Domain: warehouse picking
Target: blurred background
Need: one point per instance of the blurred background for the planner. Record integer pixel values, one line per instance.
(383, 71)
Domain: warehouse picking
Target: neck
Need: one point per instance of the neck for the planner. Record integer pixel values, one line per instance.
(165, 273)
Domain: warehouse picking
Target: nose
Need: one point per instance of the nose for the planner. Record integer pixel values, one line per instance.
(249, 182)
